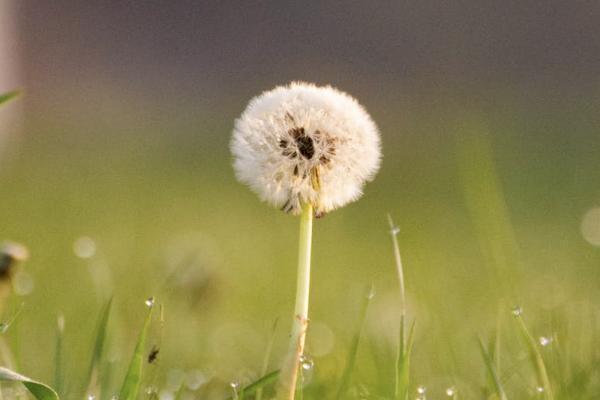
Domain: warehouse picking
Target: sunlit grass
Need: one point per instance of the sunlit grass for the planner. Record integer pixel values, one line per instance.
(471, 250)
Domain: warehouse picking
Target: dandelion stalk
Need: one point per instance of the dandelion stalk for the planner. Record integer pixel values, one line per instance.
(289, 372)
(404, 343)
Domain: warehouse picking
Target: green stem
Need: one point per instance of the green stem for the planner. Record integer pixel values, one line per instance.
(289, 371)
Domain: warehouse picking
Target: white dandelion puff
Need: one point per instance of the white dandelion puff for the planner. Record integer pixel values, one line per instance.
(305, 144)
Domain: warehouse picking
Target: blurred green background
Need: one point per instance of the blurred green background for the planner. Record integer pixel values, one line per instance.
(118, 179)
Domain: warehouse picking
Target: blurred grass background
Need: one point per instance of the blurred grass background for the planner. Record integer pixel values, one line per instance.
(488, 176)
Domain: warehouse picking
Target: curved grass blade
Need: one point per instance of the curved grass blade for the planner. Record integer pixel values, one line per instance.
(8, 96)
(133, 379)
(39, 390)
(58, 355)
(403, 360)
(4, 326)
(180, 391)
(536, 359)
(353, 351)
(493, 374)
(268, 379)
(101, 333)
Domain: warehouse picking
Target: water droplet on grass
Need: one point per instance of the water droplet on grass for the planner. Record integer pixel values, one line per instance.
(450, 392)
(545, 341)
(149, 302)
(235, 387)
(517, 311)
(306, 362)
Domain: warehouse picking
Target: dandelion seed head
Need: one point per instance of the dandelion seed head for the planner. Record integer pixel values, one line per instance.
(303, 143)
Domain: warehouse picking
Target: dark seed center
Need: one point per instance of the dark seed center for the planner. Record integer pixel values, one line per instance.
(305, 146)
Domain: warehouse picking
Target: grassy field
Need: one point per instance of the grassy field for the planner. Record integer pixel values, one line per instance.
(489, 201)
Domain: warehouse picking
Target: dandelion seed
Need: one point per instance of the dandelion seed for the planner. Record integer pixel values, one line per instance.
(302, 143)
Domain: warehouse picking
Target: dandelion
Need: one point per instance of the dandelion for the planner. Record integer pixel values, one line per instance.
(305, 145)
(306, 150)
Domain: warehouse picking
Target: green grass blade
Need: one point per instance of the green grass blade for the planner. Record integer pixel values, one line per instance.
(133, 379)
(493, 374)
(536, 358)
(403, 360)
(180, 391)
(8, 96)
(258, 384)
(99, 342)
(353, 350)
(58, 355)
(39, 390)
(4, 326)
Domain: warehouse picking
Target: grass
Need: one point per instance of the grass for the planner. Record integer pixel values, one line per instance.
(482, 222)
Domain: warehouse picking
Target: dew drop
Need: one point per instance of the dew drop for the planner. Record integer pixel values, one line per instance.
(517, 311)
(371, 293)
(539, 389)
(235, 386)
(149, 302)
(545, 341)
(421, 390)
(91, 397)
(450, 392)
(306, 362)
